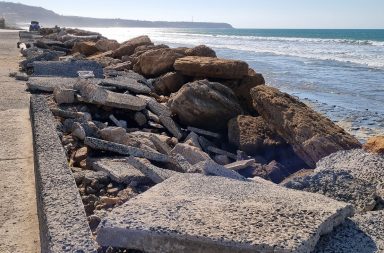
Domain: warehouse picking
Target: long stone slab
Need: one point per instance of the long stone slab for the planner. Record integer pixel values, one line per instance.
(66, 68)
(48, 84)
(63, 224)
(119, 170)
(94, 94)
(127, 84)
(197, 213)
(124, 149)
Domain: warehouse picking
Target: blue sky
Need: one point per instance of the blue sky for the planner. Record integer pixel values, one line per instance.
(239, 13)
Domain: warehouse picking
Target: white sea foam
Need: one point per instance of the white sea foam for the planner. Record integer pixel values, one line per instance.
(362, 52)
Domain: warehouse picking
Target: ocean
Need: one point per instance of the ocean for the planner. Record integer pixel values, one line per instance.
(339, 73)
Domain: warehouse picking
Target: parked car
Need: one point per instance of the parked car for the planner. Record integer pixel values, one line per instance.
(34, 26)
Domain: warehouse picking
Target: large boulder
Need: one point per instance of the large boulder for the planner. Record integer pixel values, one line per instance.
(105, 45)
(243, 89)
(85, 47)
(168, 83)
(375, 145)
(157, 62)
(252, 135)
(205, 104)
(201, 50)
(128, 47)
(210, 67)
(311, 135)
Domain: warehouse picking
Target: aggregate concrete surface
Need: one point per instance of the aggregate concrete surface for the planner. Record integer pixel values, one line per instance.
(63, 224)
(197, 213)
(19, 227)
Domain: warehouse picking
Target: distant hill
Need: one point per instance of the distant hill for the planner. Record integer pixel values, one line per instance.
(23, 14)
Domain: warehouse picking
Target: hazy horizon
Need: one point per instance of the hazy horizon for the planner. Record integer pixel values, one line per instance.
(294, 14)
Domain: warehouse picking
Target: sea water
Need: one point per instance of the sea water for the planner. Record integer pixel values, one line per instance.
(338, 72)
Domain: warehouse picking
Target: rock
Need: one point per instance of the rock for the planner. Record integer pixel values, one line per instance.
(21, 76)
(253, 135)
(64, 96)
(110, 201)
(93, 221)
(243, 89)
(126, 83)
(94, 94)
(124, 149)
(239, 165)
(222, 159)
(360, 164)
(86, 48)
(193, 140)
(201, 50)
(205, 104)
(168, 83)
(119, 123)
(121, 66)
(192, 154)
(113, 134)
(156, 107)
(156, 174)
(375, 145)
(126, 194)
(197, 213)
(222, 152)
(95, 176)
(119, 170)
(80, 154)
(105, 45)
(78, 131)
(361, 233)
(44, 57)
(161, 146)
(276, 172)
(209, 167)
(183, 164)
(311, 135)
(157, 62)
(128, 47)
(205, 143)
(140, 118)
(66, 68)
(209, 67)
(204, 132)
(171, 126)
(339, 185)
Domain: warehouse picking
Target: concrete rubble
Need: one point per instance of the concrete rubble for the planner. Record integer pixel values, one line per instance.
(167, 146)
(196, 213)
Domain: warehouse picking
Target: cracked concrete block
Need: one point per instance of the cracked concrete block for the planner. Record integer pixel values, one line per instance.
(197, 213)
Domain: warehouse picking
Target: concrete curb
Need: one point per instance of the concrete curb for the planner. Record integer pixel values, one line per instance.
(63, 223)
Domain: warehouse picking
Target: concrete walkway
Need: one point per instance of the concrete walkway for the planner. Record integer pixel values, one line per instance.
(19, 227)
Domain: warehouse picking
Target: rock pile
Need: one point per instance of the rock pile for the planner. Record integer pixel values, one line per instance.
(136, 114)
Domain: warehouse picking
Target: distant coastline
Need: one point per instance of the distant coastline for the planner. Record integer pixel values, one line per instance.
(22, 14)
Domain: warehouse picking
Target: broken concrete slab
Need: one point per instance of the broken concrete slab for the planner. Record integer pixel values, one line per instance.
(185, 166)
(67, 114)
(197, 213)
(339, 185)
(209, 167)
(156, 174)
(205, 143)
(193, 139)
(222, 152)
(63, 224)
(239, 165)
(66, 68)
(91, 93)
(124, 149)
(127, 84)
(204, 132)
(156, 107)
(40, 57)
(361, 233)
(119, 170)
(359, 163)
(192, 154)
(171, 126)
(64, 95)
(160, 145)
(48, 84)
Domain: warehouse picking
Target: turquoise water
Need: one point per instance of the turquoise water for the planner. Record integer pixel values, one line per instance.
(338, 72)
